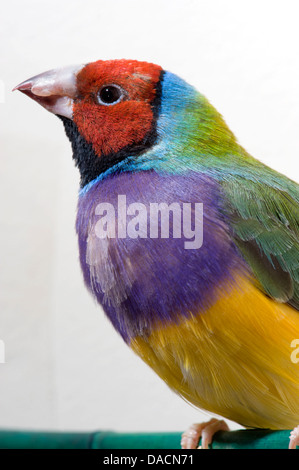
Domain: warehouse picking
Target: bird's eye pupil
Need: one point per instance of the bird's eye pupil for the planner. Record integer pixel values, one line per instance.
(109, 94)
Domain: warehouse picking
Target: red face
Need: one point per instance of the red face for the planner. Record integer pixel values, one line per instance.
(114, 104)
(109, 109)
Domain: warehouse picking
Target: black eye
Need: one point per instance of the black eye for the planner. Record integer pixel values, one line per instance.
(110, 94)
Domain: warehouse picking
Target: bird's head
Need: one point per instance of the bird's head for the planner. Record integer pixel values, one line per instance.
(119, 109)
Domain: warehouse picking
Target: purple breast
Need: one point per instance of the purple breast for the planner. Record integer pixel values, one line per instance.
(142, 282)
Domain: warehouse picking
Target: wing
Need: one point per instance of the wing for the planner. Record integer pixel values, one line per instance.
(265, 226)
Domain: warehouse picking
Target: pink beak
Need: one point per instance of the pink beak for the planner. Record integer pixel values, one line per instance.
(55, 90)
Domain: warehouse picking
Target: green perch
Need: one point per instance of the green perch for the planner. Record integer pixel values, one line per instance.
(243, 439)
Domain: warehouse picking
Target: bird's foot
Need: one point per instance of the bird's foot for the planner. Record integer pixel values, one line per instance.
(294, 438)
(205, 431)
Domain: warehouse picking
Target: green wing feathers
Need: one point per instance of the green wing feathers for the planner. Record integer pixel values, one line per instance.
(264, 218)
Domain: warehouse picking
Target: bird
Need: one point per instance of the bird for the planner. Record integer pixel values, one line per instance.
(215, 319)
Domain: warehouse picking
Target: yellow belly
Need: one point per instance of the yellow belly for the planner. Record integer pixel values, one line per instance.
(233, 360)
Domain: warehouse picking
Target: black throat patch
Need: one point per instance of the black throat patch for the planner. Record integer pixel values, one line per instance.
(89, 164)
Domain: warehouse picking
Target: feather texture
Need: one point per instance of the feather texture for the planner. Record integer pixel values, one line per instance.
(233, 360)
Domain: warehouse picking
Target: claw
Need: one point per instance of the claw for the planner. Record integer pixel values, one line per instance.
(294, 438)
(205, 431)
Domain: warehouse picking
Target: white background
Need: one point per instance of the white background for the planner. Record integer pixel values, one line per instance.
(65, 366)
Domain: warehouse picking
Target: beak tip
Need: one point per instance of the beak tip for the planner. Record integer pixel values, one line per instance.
(24, 86)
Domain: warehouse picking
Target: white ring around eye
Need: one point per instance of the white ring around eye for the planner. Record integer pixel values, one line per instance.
(122, 94)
